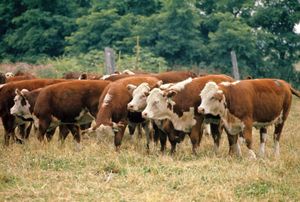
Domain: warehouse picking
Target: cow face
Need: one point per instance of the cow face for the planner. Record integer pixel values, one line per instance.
(212, 100)
(157, 105)
(21, 106)
(9, 74)
(139, 97)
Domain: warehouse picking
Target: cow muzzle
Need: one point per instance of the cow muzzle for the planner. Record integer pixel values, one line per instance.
(201, 110)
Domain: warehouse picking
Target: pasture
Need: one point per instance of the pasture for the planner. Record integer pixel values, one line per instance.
(50, 172)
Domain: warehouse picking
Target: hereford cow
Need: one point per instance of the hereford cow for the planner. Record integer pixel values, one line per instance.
(24, 103)
(7, 94)
(178, 103)
(113, 107)
(113, 103)
(76, 102)
(244, 104)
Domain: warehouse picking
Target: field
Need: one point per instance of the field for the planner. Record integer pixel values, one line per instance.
(50, 172)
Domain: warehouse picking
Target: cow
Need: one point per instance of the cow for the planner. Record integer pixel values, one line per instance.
(76, 102)
(7, 94)
(247, 103)
(113, 115)
(24, 103)
(178, 103)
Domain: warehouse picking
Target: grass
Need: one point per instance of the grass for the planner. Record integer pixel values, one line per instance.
(36, 172)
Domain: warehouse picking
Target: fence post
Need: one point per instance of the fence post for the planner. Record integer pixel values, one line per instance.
(109, 60)
(235, 69)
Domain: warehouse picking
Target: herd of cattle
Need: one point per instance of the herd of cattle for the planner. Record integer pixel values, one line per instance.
(166, 105)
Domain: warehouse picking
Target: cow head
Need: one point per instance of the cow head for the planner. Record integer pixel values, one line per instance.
(9, 74)
(157, 105)
(21, 106)
(212, 100)
(139, 96)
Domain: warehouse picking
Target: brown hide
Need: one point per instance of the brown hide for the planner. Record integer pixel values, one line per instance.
(189, 96)
(174, 76)
(116, 110)
(259, 100)
(69, 98)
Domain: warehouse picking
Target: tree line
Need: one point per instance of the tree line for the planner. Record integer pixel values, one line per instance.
(190, 33)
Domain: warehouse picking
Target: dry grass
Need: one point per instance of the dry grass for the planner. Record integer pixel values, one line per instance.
(35, 172)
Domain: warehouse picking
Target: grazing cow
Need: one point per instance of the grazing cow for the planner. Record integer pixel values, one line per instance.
(178, 103)
(244, 104)
(7, 94)
(76, 102)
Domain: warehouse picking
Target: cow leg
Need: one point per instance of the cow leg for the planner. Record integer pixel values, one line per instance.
(147, 127)
(119, 135)
(263, 138)
(139, 128)
(196, 135)
(43, 126)
(131, 128)
(248, 138)
(159, 134)
(234, 146)
(216, 131)
(277, 134)
(9, 128)
(49, 133)
(63, 133)
(75, 130)
(28, 130)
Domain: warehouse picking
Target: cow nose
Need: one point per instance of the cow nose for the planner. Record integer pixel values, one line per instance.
(200, 110)
(129, 106)
(144, 114)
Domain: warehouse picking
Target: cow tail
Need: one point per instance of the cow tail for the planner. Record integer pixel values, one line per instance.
(295, 92)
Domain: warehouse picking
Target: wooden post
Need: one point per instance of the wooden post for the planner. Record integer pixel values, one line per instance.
(109, 60)
(235, 69)
(137, 53)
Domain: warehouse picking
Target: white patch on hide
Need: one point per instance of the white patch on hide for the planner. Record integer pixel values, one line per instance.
(107, 99)
(180, 85)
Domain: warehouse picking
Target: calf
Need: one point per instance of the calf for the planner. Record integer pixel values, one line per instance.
(244, 104)
(75, 102)
(178, 103)
(7, 94)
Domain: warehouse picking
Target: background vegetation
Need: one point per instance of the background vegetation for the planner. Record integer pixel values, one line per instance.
(180, 33)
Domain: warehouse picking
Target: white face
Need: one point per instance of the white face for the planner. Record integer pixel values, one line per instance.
(157, 106)
(9, 74)
(139, 97)
(21, 107)
(212, 100)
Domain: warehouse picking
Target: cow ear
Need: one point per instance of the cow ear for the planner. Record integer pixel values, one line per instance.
(171, 93)
(159, 83)
(131, 87)
(18, 92)
(218, 96)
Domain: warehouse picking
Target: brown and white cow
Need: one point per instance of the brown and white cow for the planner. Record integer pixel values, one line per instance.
(178, 103)
(244, 104)
(7, 94)
(24, 103)
(74, 101)
(113, 103)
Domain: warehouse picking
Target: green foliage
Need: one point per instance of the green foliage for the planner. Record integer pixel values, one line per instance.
(185, 33)
(147, 62)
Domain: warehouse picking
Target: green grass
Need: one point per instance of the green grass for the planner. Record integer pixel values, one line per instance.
(36, 172)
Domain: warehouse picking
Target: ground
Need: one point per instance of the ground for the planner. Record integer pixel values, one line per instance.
(35, 172)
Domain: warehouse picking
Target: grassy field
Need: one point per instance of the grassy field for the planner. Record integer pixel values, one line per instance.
(35, 172)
